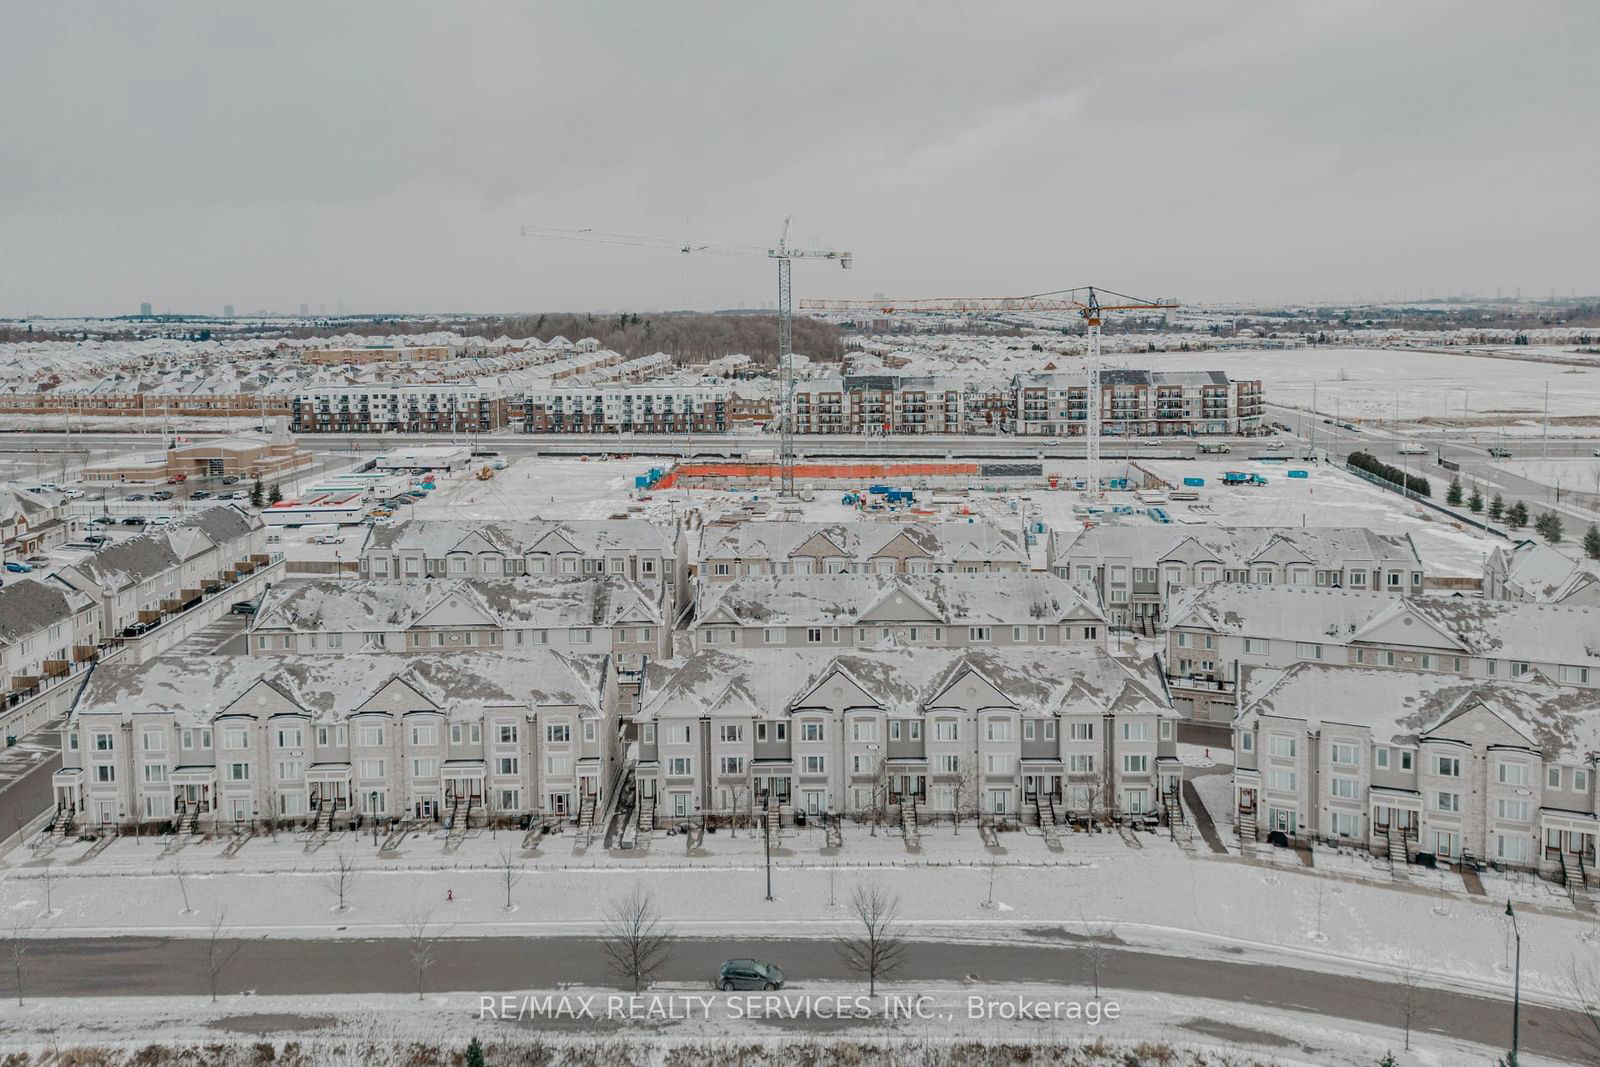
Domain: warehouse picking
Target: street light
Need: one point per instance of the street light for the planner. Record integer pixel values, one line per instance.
(372, 810)
(1516, 996)
(766, 834)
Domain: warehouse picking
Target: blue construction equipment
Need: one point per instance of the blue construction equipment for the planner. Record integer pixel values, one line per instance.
(1298, 474)
(1196, 482)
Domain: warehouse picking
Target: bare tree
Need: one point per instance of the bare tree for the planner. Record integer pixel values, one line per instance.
(1099, 939)
(183, 887)
(1411, 996)
(988, 901)
(963, 784)
(18, 940)
(342, 879)
(511, 872)
(218, 952)
(1583, 987)
(1321, 892)
(422, 943)
(635, 939)
(740, 795)
(48, 880)
(878, 950)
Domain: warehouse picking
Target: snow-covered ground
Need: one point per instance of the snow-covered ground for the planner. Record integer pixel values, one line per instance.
(1349, 918)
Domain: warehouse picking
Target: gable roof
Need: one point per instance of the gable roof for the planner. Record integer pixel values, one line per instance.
(860, 541)
(435, 538)
(1233, 545)
(355, 606)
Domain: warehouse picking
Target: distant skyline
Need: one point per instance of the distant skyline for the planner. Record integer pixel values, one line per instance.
(382, 156)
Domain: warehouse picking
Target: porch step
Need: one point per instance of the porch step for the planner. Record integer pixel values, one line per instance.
(586, 819)
(191, 819)
(1247, 827)
(647, 816)
(833, 830)
(774, 822)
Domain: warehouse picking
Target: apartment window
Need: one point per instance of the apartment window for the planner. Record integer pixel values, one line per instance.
(510, 799)
(812, 731)
(1580, 780)
(1512, 773)
(1305, 650)
(1080, 731)
(1247, 742)
(1346, 824)
(104, 742)
(1256, 646)
(947, 763)
(72, 741)
(425, 768)
(1080, 763)
(720, 570)
(1447, 801)
(681, 735)
(1049, 732)
(1345, 754)
(1447, 766)
(1358, 579)
(558, 765)
(773, 635)
(977, 633)
(369, 768)
(153, 741)
(814, 765)
(1342, 787)
(506, 733)
(1282, 781)
(1406, 760)
(1380, 758)
(506, 765)
(998, 729)
(1135, 764)
(105, 772)
(1552, 777)
(155, 772)
(914, 730)
(425, 734)
(370, 736)
(1028, 729)
(291, 768)
(1136, 731)
(730, 765)
(579, 637)
(1016, 635)
(814, 635)
(1514, 810)
(863, 730)
(238, 772)
(1281, 745)
(997, 763)
(894, 729)
(946, 730)
(558, 733)
(1574, 675)
(731, 731)
(1519, 668)
(236, 739)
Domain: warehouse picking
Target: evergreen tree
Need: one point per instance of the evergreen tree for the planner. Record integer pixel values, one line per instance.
(1387, 1061)
(275, 495)
(257, 494)
(475, 1058)
(1497, 508)
(1517, 515)
(1591, 542)
(1452, 495)
(1476, 500)
(1552, 526)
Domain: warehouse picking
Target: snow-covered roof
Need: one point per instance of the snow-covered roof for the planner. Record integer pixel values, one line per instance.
(1004, 597)
(125, 563)
(28, 607)
(1234, 545)
(434, 538)
(905, 682)
(196, 688)
(1542, 572)
(358, 606)
(942, 542)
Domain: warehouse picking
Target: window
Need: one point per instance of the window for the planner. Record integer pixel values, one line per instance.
(681, 735)
(425, 768)
(1247, 742)
(773, 635)
(1447, 801)
(1135, 764)
(1028, 729)
(997, 763)
(558, 733)
(730, 765)
(814, 765)
(236, 739)
(104, 742)
(238, 772)
(947, 763)
(946, 730)
(1511, 848)
(998, 729)
(731, 731)
(1552, 777)
(1304, 650)
(894, 729)
(814, 635)
(977, 633)
(425, 734)
(812, 731)
(1166, 729)
(558, 765)
(1016, 635)
(1406, 760)
(105, 772)
(1080, 731)
(1256, 646)
(1090, 632)
(1380, 758)
(1136, 731)
(1080, 763)
(1580, 780)
(1345, 824)
(291, 768)
(579, 637)
(1049, 729)
(506, 733)
(1282, 746)
(370, 768)
(1342, 787)
(1574, 675)
(155, 772)
(506, 765)
(153, 741)
(1282, 781)
(1513, 773)
(863, 730)
(1344, 754)
(1514, 810)
(370, 736)
(1447, 766)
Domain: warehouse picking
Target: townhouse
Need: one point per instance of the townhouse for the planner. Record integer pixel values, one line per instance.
(33, 521)
(1139, 403)
(599, 615)
(913, 735)
(1406, 761)
(1217, 631)
(1138, 570)
(319, 739)
(1536, 573)
(144, 580)
(653, 408)
(652, 557)
(48, 633)
(911, 610)
(757, 547)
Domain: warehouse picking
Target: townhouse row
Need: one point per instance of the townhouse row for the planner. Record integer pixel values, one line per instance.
(1405, 762)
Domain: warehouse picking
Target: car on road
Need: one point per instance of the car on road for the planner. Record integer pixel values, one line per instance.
(102, 520)
(748, 974)
(17, 568)
(163, 520)
(1413, 450)
(1152, 443)
(1596, 452)
(244, 607)
(232, 479)
(199, 494)
(1500, 453)
(135, 520)
(231, 496)
(96, 539)
(135, 496)
(38, 560)
(162, 494)
(72, 494)
(1277, 445)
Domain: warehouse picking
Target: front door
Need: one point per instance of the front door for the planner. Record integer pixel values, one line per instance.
(814, 801)
(1247, 800)
(427, 807)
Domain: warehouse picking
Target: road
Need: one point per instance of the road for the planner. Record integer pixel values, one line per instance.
(131, 966)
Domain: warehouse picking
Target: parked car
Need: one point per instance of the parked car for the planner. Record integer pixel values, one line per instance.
(17, 568)
(199, 494)
(135, 629)
(177, 479)
(163, 520)
(331, 539)
(232, 479)
(243, 607)
(1500, 453)
(134, 520)
(1276, 445)
(135, 496)
(96, 539)
(72, 494)
(102, 520)
(162, 494)
(232, 496)
(1413, 450)
(748, 974)
(38, 560)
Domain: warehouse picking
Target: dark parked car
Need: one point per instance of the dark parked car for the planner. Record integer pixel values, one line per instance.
(136, 629)
(243, 607)
(134, 496)
(96, 539)
(102, 520)
(748, 974)
(199, 494)
(232, 479)
(135, 520)
(161, 494)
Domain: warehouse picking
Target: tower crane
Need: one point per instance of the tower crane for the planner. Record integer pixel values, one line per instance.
(1083, 301)
(784, 254)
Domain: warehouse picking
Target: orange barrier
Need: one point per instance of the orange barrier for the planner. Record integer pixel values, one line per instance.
(857, 472)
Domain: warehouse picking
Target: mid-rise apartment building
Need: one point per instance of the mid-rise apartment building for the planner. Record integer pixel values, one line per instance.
(1405, 761)
(880, 404)
(650, 408)
(1139, 403)
(1138, 570)
(437, 407)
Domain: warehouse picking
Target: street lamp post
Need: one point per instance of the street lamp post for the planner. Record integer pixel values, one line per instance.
(1516, 994)
(767, 836)
(372, 812)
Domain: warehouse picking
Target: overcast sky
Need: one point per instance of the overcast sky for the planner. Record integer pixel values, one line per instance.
(382, 155)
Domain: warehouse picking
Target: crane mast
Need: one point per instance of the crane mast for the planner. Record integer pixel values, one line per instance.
(785, 257)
